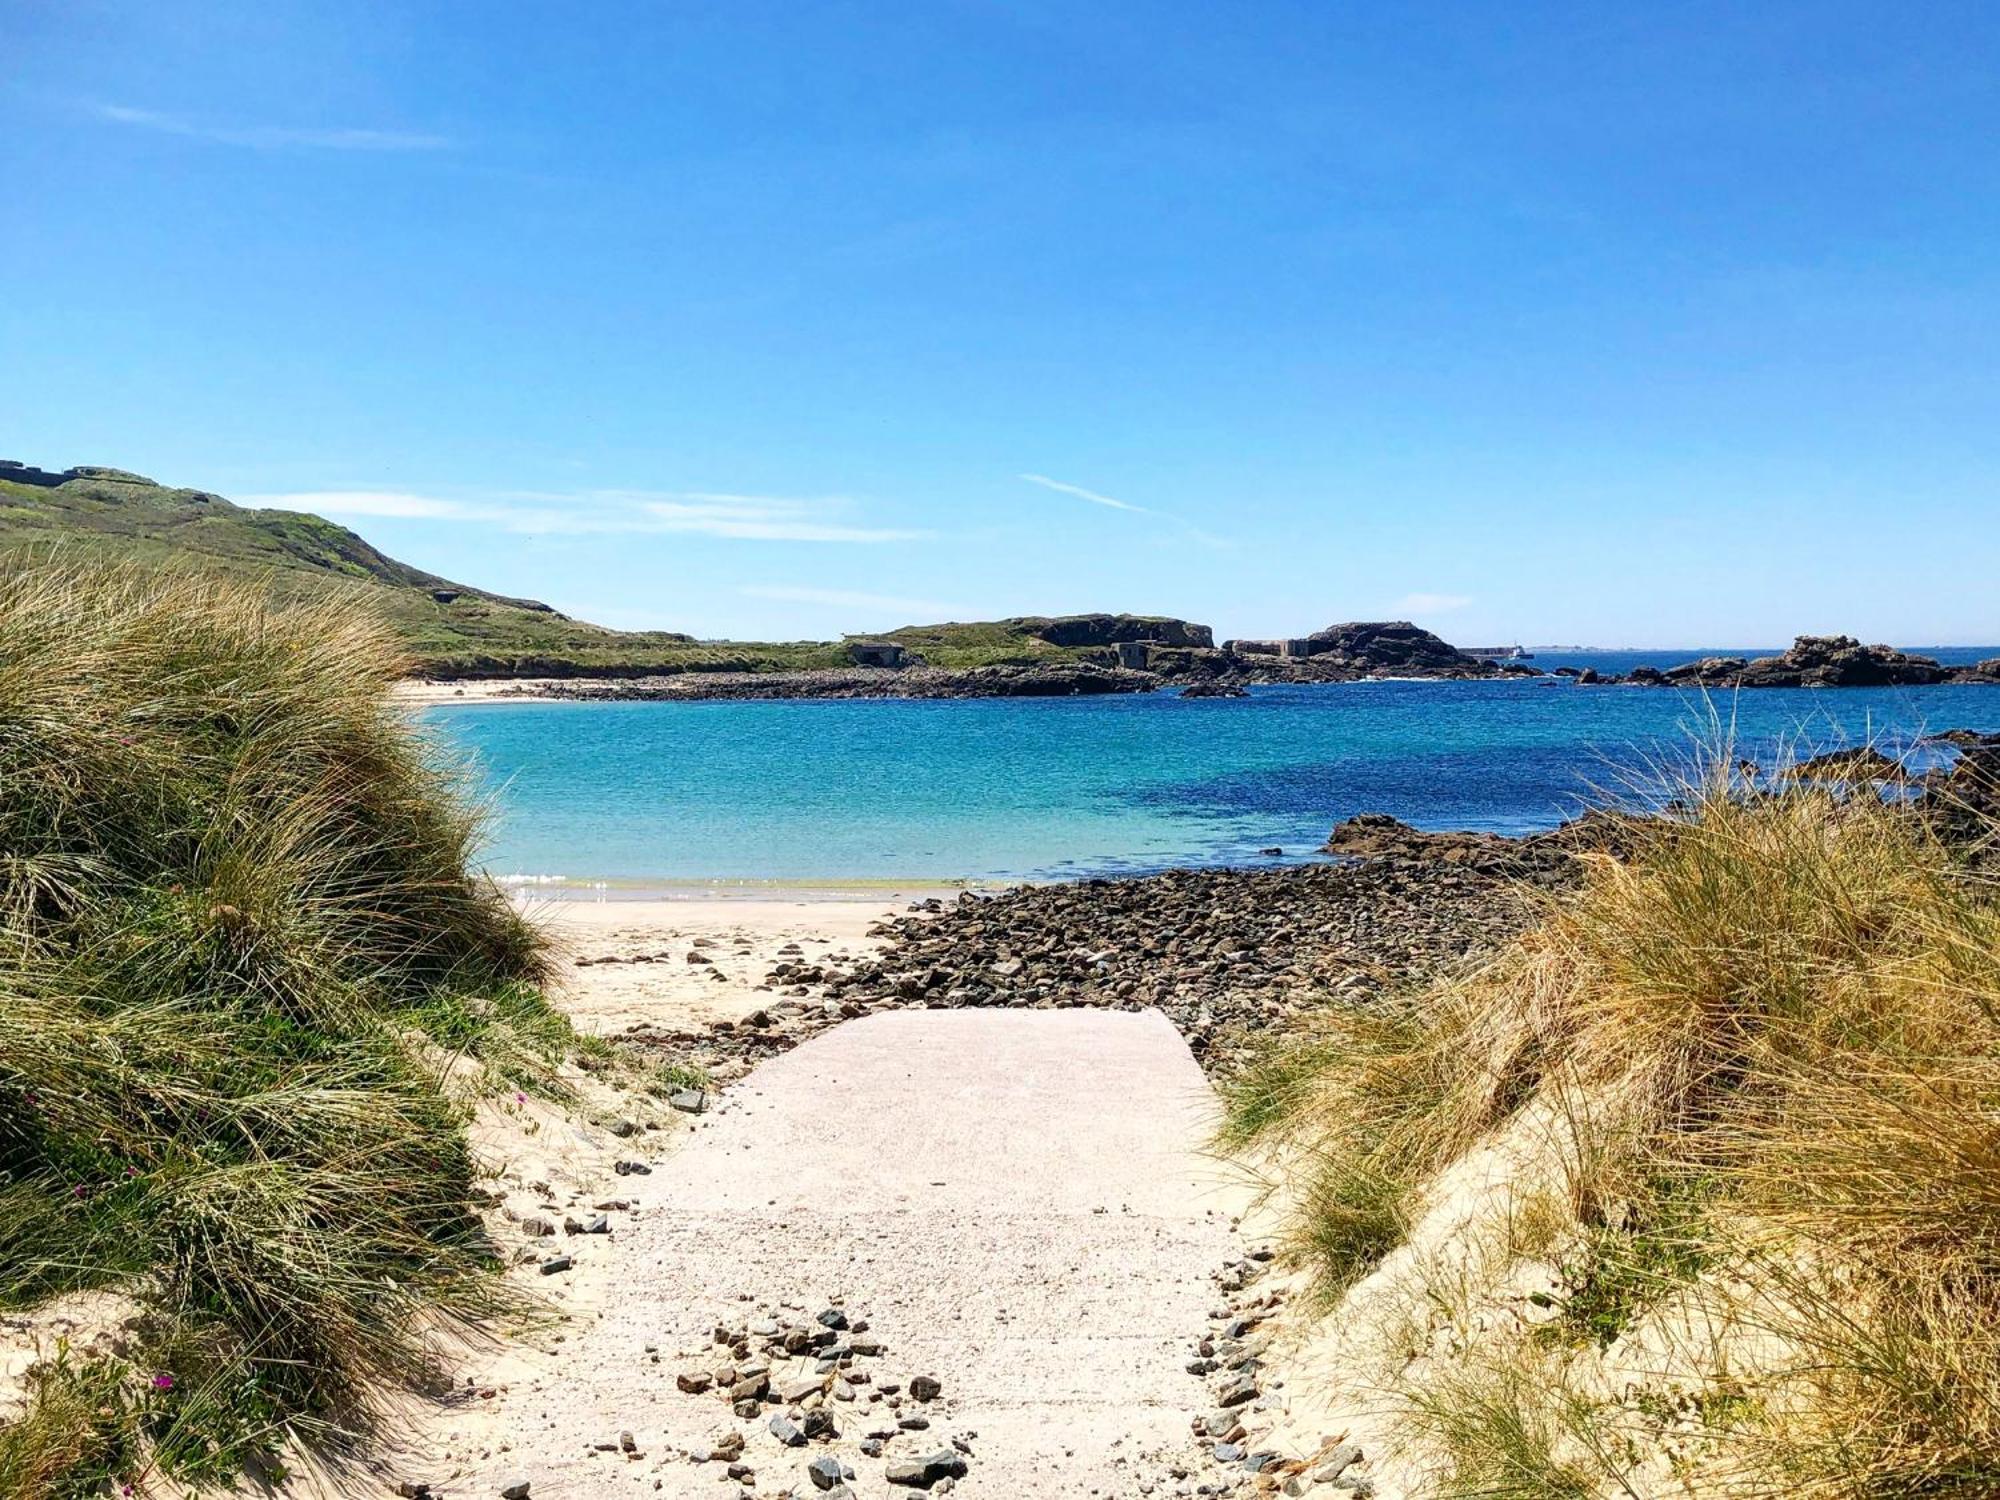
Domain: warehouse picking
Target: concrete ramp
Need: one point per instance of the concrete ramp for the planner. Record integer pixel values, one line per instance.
(1015, 1200)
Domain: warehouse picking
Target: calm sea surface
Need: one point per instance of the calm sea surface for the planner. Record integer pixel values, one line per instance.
(664, 793)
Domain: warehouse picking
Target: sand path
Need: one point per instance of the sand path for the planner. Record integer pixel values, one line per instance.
(1015, 1202)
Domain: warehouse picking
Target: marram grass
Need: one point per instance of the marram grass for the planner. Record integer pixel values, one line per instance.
(1771, 1041)
(240, 945)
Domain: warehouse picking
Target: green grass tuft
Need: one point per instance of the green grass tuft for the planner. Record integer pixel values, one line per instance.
(241, 946)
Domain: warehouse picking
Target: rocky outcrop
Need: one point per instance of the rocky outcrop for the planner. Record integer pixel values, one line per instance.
(1815, 661)
(1862, 765)
(21, 473)
(1365, 648)
(1182, 663)
(1073, 631)
(1961, 802)
(1536, 857)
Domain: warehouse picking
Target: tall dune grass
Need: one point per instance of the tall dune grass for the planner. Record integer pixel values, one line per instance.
(239, 937)
(1772, 1038)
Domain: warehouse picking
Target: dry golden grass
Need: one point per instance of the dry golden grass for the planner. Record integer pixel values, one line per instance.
(1773, 1039)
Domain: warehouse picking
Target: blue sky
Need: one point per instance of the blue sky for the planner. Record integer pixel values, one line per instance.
(1615, 324)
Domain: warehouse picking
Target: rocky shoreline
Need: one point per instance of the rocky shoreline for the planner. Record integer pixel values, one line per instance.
(1340, 654)
(1051, 680)
(1226, 954)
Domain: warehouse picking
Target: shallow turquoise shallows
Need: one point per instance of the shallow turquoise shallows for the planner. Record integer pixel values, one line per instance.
(667, 793)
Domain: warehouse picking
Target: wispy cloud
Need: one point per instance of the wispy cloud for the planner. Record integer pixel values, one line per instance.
(1430, 604)
(1180, 531)
(1083, 494)
(927, 609)
(766, 518)
(756, 518)
(271, 137)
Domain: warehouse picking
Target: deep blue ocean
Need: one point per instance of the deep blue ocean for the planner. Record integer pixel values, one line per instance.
(883, 790)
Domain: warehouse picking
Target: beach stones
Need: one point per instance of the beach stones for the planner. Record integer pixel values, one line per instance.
(922, 1473)
(825, 1473)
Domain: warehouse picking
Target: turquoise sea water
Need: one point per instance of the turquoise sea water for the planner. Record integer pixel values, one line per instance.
(659, 793)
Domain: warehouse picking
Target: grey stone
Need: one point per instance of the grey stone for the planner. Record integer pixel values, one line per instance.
(1336, 1463)
(687, 1101)
(922, 1473)
(818, 1423)
(926, 1388)
(788, 1432)
(1237, 1392)
(825, 1473)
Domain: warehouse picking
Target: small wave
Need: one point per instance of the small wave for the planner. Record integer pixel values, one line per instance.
(531, 879)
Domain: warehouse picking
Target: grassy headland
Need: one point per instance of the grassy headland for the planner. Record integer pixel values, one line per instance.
(248, 985)
(100, 516)
(1695, 1190)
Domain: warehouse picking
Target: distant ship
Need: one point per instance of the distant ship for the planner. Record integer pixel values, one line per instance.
(1515, 652)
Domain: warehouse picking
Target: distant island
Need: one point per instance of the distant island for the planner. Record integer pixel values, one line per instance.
(457, 633)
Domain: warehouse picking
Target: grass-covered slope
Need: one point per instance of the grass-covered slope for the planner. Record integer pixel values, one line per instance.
(109, 516)
(1695, 1192)
(240, 948)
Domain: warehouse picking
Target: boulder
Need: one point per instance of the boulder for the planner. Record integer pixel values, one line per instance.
(1861, 764)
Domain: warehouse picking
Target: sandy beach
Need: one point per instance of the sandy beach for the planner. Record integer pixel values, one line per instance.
(421, 692)
(689, 961)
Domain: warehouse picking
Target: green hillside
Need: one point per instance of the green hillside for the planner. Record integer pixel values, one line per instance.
(96, 515)
(451, 629)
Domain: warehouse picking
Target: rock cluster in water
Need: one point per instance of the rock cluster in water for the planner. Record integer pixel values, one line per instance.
(1812, 661)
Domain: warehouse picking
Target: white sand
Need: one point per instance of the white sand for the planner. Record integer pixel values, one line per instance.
(501, 690)
(740, 936)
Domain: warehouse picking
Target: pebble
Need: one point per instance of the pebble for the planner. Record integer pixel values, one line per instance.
(924, 1473)
(825, 1473)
